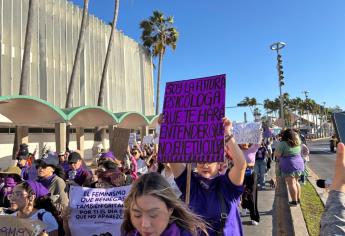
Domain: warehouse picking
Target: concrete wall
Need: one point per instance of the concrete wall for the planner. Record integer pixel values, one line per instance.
(130, 78)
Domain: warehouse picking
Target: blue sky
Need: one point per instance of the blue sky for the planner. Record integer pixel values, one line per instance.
(233, 38)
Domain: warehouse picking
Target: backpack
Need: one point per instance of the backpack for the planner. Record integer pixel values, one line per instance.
(262, 151)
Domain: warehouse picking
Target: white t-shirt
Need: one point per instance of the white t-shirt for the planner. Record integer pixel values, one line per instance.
(172, 183)
(47, 218)
(142, 167)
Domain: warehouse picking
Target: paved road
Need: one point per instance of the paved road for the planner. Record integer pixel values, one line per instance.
(321, 159)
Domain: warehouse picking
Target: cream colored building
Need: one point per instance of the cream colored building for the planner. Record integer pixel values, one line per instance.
(130, 79)
(129, 86)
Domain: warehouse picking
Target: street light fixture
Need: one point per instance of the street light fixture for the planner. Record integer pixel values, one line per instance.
(306, 94)
(306, 99)
(277, 47)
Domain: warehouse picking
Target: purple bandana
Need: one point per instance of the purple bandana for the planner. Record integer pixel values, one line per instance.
(10, 183)
(46, 181)
(38, 188)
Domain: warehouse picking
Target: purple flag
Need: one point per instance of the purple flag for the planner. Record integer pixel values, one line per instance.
(192, 130)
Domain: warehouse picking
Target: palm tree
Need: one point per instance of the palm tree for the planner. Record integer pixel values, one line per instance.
(107, 57)
(100, 102)
(248, 102)
(158, 33)
(276, 106)
(25, 74)
(80, 45)
(295, 105)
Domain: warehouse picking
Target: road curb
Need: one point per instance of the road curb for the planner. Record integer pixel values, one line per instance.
(323, 194)
(298, 222)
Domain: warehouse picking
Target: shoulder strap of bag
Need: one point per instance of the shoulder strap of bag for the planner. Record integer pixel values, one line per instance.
(224, 211)
(40, 215)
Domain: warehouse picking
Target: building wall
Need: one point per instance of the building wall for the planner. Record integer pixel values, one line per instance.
(130, 79)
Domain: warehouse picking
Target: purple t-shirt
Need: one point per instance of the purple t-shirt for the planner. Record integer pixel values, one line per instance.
(204, 201)
(171, 230)
(250, 153)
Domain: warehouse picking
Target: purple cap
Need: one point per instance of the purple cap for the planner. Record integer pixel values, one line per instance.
(109, 155)
(38, 188)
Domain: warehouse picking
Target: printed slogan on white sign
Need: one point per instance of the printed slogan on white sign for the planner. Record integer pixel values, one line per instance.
(247, 132)
(97, 209)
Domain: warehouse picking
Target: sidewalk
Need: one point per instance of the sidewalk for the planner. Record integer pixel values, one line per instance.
(266, 210)
(276, 216)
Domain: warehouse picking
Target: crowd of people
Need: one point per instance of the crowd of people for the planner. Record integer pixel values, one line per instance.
(38, 188)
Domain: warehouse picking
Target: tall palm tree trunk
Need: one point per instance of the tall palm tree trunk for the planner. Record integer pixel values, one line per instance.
(107, 57)
(25, 73)
(159, 81)
(80, 46)
(100, 102)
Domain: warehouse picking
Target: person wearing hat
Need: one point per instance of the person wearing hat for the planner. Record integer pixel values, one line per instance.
(108, 156)
(63, 160)
(77, 173)
(31, 200)
(28, 171)
(51, 176)
(10, 178)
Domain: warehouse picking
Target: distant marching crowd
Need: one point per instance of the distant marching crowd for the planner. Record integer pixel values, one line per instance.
(37, 188)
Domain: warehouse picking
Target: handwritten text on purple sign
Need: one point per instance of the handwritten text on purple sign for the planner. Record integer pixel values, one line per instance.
(192, 130)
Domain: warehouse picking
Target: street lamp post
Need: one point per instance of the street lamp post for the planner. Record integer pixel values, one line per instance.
(278, 46)
(306, 100)
(324, 120)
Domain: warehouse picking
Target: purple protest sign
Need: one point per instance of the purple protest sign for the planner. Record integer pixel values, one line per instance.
(192, 130)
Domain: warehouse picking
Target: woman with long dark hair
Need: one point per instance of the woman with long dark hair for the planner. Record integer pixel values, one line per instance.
(291, 164)
(152, 208)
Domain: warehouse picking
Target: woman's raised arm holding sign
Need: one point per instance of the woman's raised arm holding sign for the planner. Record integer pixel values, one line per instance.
(236, 174)
(212, 195)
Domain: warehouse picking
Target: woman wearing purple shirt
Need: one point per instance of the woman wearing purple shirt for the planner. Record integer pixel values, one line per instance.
(210, 192)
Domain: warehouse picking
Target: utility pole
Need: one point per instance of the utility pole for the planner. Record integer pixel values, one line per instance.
(324, 120)
(278, 46)
(306, 100)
